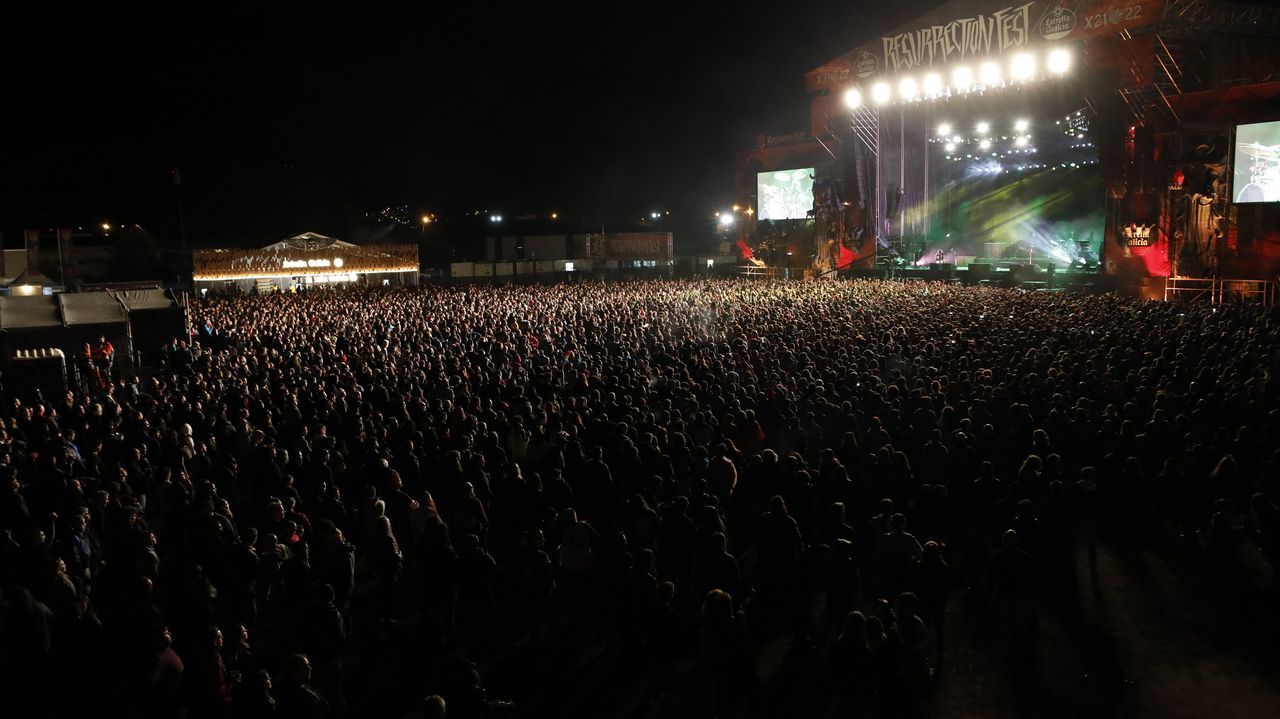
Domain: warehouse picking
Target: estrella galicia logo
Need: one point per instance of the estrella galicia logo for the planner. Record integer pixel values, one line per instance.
(1057, 23)
(866, 65)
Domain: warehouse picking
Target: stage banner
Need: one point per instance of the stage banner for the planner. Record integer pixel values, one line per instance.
(32, 238)
(1096, 17)
(969, 31)
(67, 255)
(630, 246)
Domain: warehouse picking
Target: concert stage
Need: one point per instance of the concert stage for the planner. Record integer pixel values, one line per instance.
(1075, 133)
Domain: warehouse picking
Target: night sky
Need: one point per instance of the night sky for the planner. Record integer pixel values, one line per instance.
(285, 124)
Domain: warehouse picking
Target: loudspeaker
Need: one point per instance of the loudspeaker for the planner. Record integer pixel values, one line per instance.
(980, 268)
(893, 201)
(942, 266)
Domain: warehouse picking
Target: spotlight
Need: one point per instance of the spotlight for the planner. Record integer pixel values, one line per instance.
(1021, 125)
(990, 74)
(962, 79)
(944, 129)
(853, 98)
(1059, 62)
(984, 145)
(932, 85)
(881, 93)
(907, 88)
(726, 219)
(1020, 142)
(956, 138)
(1023, 67)
(984, 128)
(951, 147)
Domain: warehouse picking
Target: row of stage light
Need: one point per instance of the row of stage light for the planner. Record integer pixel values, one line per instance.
(984, 141)
(1023, 68)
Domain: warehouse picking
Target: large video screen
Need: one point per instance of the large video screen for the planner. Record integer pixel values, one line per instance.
(785, 194)
(1257, 164)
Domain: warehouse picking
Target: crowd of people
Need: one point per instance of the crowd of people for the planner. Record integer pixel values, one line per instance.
(341, 499)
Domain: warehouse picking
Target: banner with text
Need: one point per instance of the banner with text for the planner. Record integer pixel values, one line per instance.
(972, 30)
(630, 246)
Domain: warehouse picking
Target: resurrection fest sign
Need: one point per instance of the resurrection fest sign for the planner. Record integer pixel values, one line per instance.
(973, 30)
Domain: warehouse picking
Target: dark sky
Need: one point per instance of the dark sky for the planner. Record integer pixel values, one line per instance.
(282, 124)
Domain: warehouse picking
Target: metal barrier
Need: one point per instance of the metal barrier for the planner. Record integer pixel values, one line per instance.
(1217, 291)
(768, 273)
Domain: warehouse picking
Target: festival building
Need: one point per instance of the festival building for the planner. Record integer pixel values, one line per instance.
(304, 260)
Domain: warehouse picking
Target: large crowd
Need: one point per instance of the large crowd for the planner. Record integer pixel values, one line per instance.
(338, 500)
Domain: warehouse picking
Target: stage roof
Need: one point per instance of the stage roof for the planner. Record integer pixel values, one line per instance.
(29, 312)
(970, 49)
(975, 31)
(135, 300)
(91, 308)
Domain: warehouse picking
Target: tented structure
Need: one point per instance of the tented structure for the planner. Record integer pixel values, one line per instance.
(154, 317)
(136, 322)
(31, 322)
(301, 261)
(87, 316)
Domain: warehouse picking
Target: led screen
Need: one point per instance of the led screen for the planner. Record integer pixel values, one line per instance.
(1257, 166)
(785, 194)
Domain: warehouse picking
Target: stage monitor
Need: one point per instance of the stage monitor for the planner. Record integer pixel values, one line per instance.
(1257, 163)
(785, 194)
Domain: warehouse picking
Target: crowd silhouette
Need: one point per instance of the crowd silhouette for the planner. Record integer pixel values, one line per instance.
(616, 499)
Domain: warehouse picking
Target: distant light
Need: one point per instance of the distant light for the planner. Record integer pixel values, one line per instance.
(555, 216)
(726, 219)
(881, 92)
(426, 219)
(750, 212)
(654, 215)
(736, 208)
(956, 138)
(984, 128)
(944, 129)
(932, 85)
(495, 218)
(1080, 136)
(908, 89)
(853, 98)
(984, 145)
(951, 147)
(1020, 142)
(106, 227)
(1059, 62)
(990, 74)
(962, 79)
(1021, 125)
(1023, 66)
